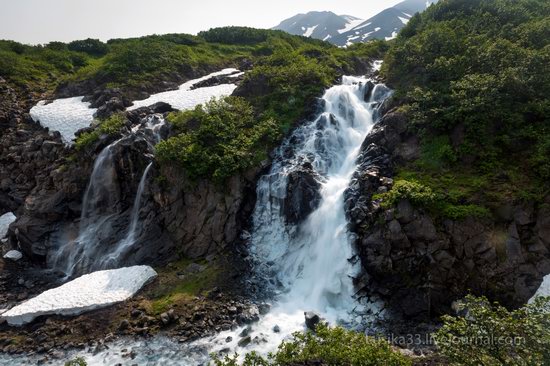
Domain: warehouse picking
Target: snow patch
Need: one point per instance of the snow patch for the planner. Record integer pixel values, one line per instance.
(66, 115)
(393, 35)
(185, 98)
(88, 292)
(377, 29)
(352, 23)
(544, 289)
(13, 255)
(403, 20)
(327, 37)
(5, 222)
(364, 25)
(310, 31)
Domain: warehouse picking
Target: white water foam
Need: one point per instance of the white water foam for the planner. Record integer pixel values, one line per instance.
(311, 261)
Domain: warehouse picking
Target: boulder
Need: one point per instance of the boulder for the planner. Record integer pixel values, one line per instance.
(311, 320)
(5, 221)
(13, 255)
(302, 194)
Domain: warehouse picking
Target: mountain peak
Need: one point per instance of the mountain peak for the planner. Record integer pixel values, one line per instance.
(344, 30)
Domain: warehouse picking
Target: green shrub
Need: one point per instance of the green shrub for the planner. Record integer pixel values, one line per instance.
(480, 67)
(419, 195)
(331, 346)
(79, 361)
(489, 334)
(218, 139)
(111, 126)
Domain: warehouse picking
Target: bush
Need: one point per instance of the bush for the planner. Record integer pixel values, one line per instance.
(90, 46)
(489, 334)
(481, 67)
(79, 361)
(218, 139)
(331, 346)
(419, 195)
(111, 126)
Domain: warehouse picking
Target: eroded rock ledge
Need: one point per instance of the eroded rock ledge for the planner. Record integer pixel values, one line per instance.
(420, 264)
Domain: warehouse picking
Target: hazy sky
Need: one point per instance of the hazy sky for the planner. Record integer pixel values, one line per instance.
(41, 21)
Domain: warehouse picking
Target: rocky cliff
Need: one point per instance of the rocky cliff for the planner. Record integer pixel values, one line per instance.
(420, 263)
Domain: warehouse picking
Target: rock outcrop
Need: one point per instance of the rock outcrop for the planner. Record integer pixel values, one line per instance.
(420, 264)
(302, 193)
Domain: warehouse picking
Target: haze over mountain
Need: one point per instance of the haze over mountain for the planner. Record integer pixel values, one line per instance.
(345, 30)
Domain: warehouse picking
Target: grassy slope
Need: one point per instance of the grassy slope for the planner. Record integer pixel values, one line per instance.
(474, 78)
(287, 74)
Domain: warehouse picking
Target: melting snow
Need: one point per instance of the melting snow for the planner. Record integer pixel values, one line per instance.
(364, 25)
(544, 289)
(91, 291)
(5, 221)
(185, 98)
(66, 115)
(14, 255)
(403, 20)
(310, 31)
(352, 23)
(393, 35)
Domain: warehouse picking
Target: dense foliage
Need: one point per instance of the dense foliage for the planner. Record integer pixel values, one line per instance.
(490, 335)
(439, 203)
(331, 346)
(479, 72)
(218, 139)
(110, 126)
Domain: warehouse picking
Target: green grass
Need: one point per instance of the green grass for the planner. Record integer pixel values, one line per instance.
(172, 290)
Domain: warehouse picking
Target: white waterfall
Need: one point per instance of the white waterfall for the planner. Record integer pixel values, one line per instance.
(125, 244)
(310, 262)
(100, 210)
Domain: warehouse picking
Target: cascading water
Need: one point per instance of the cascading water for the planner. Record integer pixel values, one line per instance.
(125, 244)
(100, 210)
(308, 264)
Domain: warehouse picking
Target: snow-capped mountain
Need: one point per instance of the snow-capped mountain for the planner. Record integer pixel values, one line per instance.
(344, 30)
(323, 25)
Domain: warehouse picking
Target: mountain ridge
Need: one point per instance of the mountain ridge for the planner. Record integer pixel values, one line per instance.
(345, 30)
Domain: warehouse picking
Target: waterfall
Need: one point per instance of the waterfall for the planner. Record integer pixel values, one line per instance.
(101, 212)
(308, 266)
(125, 244)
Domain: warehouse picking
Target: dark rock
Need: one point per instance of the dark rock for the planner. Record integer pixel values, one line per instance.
(124, 325)
(312, 319)
(369, 86)
(303, 194)
(243, 342)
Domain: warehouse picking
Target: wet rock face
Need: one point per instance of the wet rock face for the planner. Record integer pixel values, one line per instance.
(420, 264)
(303, 194)
(201, 217)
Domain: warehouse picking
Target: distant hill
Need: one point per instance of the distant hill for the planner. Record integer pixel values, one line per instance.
(344, 30)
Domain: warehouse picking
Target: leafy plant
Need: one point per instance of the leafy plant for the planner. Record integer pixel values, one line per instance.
(489, 334)
(331, 346)
(218, 139)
